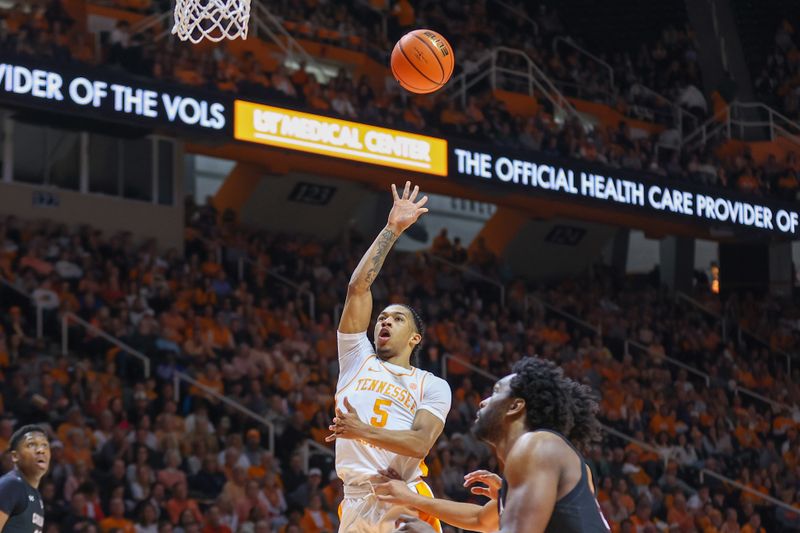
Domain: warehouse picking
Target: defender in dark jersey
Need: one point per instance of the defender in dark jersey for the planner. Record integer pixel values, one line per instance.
(21, 507)
(548, 486)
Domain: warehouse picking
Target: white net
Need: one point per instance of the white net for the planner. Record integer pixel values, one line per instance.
(214, 20)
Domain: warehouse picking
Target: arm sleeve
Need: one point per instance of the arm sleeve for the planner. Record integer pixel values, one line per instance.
(436, 397)
(354, 349)
(12, 496)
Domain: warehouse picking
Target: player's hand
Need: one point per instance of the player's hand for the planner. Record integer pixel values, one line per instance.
(410, 524)
(346, 425)
(393, 491)
(492, 483)
(406, 210)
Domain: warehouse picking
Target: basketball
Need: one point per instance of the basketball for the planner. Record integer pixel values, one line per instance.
(422, 61)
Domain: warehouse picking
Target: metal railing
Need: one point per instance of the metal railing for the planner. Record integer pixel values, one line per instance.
(628, 343)
(683, 118)
(178, 377)
(737, 121)
(531, 77)
(777, 124)
(661, 453)
(469, 272)
(70, 318)
(318, 449)
(312, 302)
(741, 331)
(603, 64)
(719, 122)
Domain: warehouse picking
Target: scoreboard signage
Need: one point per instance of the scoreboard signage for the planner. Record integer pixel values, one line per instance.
(317, 134)
(535, 173)
(106, 95)
(82, 91)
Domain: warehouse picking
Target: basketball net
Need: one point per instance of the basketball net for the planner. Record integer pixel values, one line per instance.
(214, 20)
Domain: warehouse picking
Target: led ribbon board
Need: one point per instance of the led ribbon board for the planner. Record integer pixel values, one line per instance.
(343, 139)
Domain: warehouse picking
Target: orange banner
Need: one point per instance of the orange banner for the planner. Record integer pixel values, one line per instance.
(333, 137)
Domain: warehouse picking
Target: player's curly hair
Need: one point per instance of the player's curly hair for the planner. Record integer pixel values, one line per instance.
(555, 402)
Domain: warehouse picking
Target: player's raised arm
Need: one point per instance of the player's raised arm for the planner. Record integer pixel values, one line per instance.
(358, 304)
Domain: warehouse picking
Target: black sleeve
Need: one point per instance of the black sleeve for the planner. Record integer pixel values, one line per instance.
(12, 496)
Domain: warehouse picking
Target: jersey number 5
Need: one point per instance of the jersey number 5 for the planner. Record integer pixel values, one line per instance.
(383, 415)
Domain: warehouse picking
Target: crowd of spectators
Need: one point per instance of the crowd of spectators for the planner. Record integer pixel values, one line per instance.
(778, 82)
(668, 64)
(130, 454)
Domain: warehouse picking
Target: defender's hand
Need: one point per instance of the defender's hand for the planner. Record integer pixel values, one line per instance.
(492, 481)
(405, 210)
(346, 425)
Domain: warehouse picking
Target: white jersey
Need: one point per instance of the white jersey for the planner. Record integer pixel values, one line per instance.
(386, 396)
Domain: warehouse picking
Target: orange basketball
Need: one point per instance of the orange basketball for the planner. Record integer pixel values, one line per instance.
(422, 61)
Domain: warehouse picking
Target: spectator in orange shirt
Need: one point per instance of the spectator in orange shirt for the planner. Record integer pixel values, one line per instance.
(642, 520)
(679, 515)
(315, 519)
(664, 421)
(116, 519)
(181, 502)
(753, 525)
(731, 524)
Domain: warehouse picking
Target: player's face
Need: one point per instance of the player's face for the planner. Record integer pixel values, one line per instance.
(395, 332)
(492, 412)
(32, 455)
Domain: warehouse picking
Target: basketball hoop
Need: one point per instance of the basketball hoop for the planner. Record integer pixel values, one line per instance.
(214, 20)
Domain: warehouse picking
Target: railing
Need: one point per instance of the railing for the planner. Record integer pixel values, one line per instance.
(723, 321)
(568, 41)
(628, 343)
(683, 118)
(163, 20)
(661, 453)
(728, 481)
(68, 318)
(312, 305)
(734, 122)
(719, 122)
(34, 303)
(531, 76)
(306, 452)
(779, 125)
(472, 273)
(180, 376)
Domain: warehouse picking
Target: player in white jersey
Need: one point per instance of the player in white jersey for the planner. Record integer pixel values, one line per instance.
(388, 413)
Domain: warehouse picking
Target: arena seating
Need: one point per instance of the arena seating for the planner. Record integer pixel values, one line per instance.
(50, 33)
(120, 435)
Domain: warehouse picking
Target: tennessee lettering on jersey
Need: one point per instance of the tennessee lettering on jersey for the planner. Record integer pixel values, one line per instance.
(403, 396)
